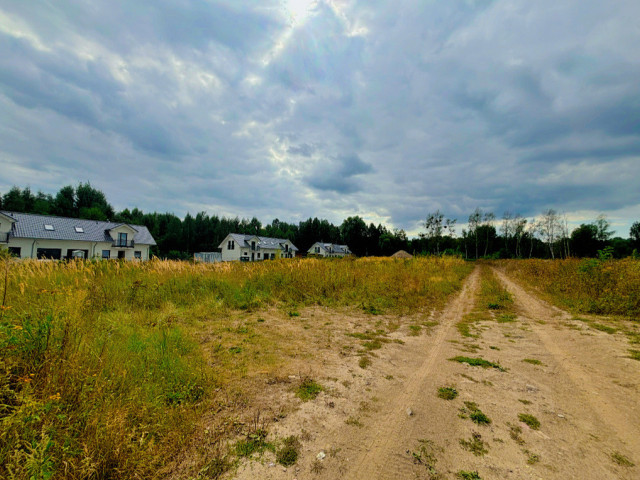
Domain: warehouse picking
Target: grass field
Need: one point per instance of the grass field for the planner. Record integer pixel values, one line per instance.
(104, 371)
(606, 287)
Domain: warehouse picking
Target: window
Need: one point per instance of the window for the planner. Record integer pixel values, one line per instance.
(48, 227)
(258, 255)
(286, 247)
(253, 245)
(50, 253)
(121, 254)
(317, 249)
(106, 254)
(122, 239)
(137, 254)
(79, 230)
(273, 256)
(231, 245)
(14, 251)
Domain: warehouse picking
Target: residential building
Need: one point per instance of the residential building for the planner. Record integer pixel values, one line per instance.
(253, 248)
(42, 236)
(321, 249)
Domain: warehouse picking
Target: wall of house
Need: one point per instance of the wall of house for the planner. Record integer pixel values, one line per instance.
(29, 249)
(5, 225)
(131, 233)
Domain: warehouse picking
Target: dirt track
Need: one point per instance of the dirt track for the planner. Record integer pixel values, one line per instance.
(584, 393)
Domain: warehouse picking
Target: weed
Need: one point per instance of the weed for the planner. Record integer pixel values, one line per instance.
(426, 456)
(515, 432)
(532, 361)
(364, 362)
(354, 422)
(529, 420)
(414, 330)
(388, 377)
(472, 411)
(294, 313)
(447, 393)
(463, 475)
(288, 452)
(308, 390)
(532, 458)
(621, 460)
(525, 402)
(317, 467)
(493, 347)
(474, 445)
(215, 468)
(255, 442)
(477, 362)
(372, 345)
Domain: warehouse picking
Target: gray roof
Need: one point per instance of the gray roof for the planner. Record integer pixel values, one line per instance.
(263, 242)
(28, 225)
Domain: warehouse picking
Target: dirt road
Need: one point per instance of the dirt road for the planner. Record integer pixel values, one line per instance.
(387, 421)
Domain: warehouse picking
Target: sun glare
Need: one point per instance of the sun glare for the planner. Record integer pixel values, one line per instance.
(298, 10)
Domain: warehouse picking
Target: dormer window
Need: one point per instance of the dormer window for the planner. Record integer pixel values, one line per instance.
(79, 230)
(231, 245)
(48, 227)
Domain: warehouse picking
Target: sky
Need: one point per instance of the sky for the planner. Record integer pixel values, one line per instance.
(293, 109)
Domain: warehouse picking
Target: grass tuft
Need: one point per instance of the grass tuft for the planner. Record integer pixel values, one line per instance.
(447, 393)
(477, 362)
(308, 390)
(621, 460)
(529, 420)
(464, 475)
(474, 445)
(288, 452)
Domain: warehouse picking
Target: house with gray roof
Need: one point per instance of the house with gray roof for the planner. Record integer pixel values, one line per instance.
(253, 248)
(41, 236)
(321, 249)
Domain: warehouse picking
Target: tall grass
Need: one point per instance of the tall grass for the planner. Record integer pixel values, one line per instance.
(598, 286)
(100, 374)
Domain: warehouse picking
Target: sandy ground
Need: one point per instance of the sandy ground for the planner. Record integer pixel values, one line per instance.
(371, 423)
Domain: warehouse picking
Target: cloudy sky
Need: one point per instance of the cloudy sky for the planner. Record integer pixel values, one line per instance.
(328, 108)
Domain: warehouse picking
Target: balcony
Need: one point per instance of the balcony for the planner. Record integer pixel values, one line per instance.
(123, 244)
(4, 237)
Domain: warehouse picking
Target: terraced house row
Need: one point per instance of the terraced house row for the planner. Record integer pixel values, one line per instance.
(46, 237)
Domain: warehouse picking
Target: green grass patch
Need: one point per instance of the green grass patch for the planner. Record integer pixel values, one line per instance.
(447, 393)
(475, 445)
(532, 361)
(477, 362)
(634, 354)
(308, 390)
(414, 330)
(603, 328)
(529, 420)
(620, 459)
(255, 442)
(287, 454)
(471, 411)
(364, 362)
(464, 475)
(506, 318)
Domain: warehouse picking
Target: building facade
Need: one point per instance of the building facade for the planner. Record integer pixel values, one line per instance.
(253, 248)
(45, 237)
(321, 249)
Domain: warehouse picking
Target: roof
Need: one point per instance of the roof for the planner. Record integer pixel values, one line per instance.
(402, 254)
(263, 242)
(28, 225)
(333, 247)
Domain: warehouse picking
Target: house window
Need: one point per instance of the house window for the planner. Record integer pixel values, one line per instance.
(253, 245)
(14, 251)
(137, 254)
(51, 253)
(79, 230)
(317, 249)
(106, 254)
(273, 256)
(122, 239)
(121, 254)
(258, 255)
(286, 247)
(48, 227)
(231, 245)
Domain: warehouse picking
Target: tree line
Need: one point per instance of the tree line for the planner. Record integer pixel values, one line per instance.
(484, 235)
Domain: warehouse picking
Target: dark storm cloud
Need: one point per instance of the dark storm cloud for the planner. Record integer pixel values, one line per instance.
(247, 108)
(338, 175)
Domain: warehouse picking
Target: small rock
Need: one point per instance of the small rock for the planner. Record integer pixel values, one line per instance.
(272, 464)
(531, 389)
(409, 412)
(321, 456)
(560, 415)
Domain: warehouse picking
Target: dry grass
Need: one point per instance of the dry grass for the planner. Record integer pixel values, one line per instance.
(107, 368)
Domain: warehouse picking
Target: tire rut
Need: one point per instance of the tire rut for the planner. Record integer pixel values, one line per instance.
(381, 454)
(617, 420)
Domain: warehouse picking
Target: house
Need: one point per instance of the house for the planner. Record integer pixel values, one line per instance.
(320, 249)
(252, 248)
(42, 236)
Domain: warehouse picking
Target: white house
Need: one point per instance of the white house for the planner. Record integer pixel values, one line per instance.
(252, 248)
(42, 236)
(320, 249)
